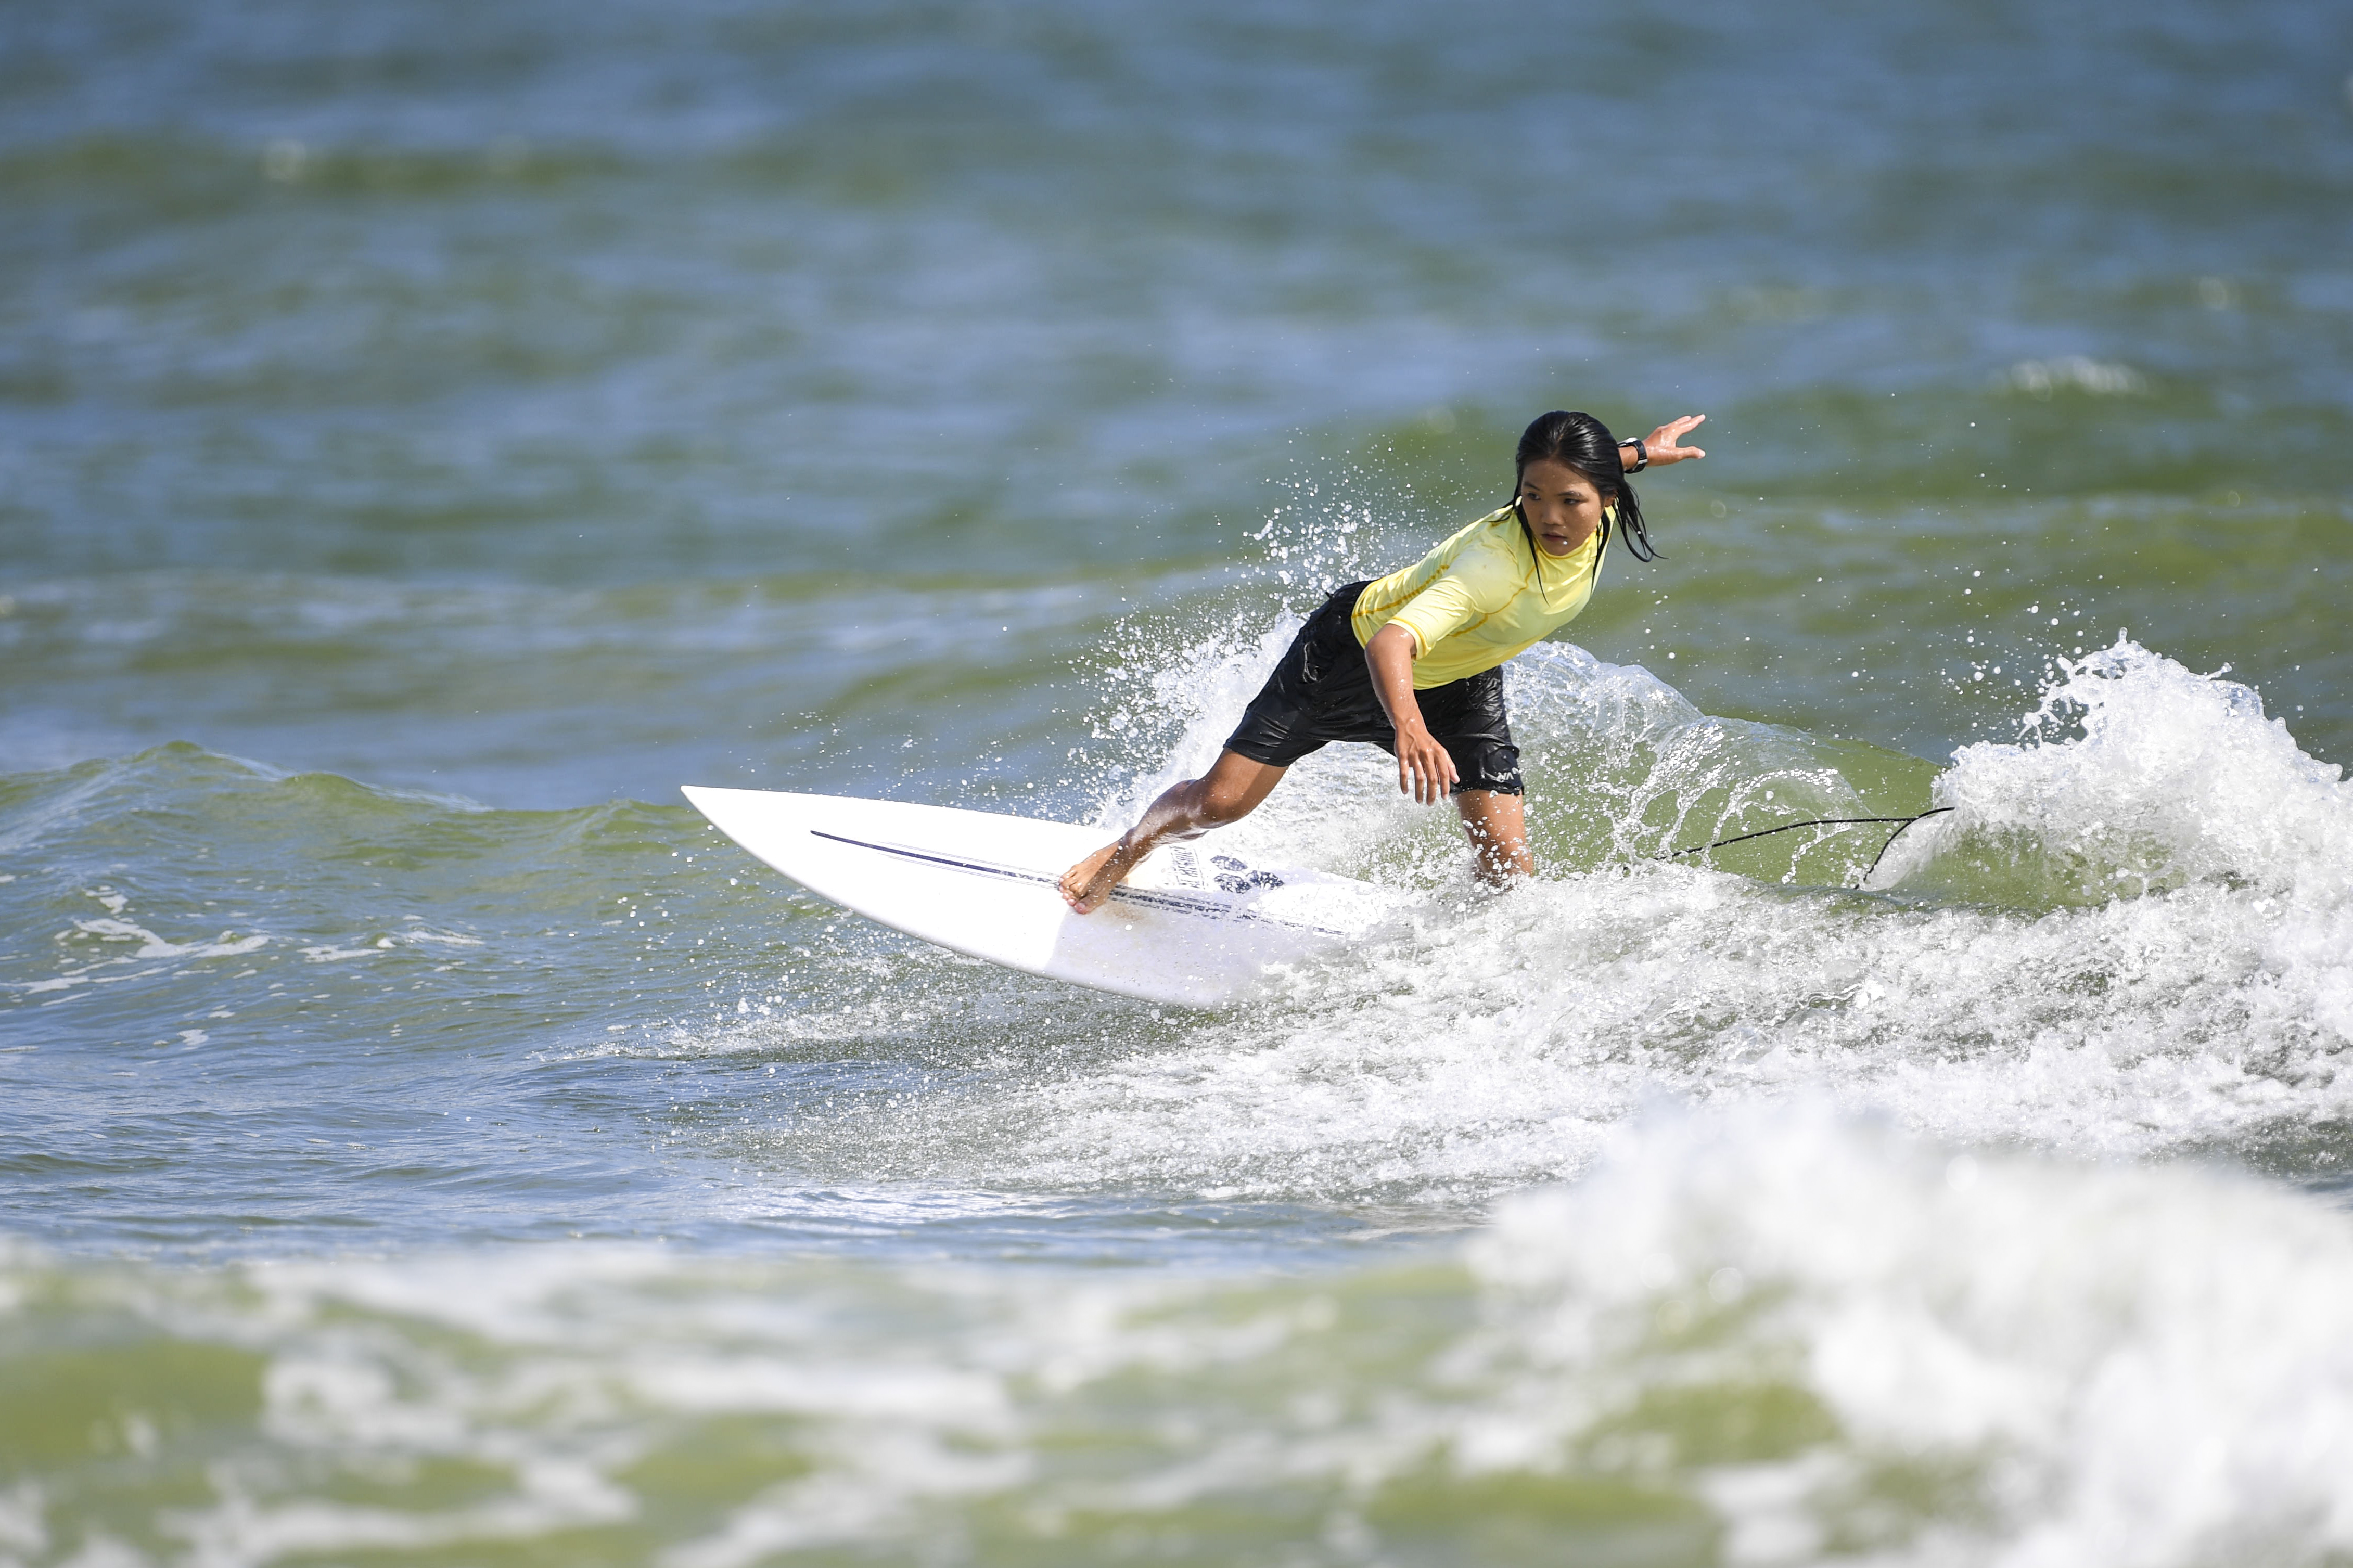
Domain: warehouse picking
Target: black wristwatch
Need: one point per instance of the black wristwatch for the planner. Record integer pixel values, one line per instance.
(1641, 455)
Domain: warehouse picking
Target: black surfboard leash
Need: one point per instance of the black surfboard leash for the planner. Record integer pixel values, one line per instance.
(1900, 824)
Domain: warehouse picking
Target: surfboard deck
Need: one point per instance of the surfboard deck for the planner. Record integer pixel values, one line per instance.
(1194, 925)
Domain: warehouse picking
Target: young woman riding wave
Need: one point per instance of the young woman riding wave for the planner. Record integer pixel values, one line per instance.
(1412, 662)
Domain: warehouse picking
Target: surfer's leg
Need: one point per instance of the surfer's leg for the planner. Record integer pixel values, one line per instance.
(1229, 791)
(1288, 719)
(1498, 826)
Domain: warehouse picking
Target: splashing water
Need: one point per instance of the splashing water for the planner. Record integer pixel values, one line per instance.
(2174, 778)
(2204, 997)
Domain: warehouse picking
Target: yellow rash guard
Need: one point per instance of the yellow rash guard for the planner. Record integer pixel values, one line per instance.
(1480, 597)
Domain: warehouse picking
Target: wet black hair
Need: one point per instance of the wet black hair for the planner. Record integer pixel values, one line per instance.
(1585, 444)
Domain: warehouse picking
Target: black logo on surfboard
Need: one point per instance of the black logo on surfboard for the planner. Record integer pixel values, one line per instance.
(1235, 877)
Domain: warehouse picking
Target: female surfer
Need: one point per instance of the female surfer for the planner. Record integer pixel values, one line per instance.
(1413, 661)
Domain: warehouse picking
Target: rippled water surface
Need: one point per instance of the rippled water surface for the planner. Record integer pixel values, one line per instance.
(431, 434)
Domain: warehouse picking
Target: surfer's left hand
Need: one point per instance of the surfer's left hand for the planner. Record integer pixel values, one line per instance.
(1660, 442)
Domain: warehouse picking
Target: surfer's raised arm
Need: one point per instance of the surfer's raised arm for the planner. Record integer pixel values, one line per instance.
(1412, 662)
(1660, 448)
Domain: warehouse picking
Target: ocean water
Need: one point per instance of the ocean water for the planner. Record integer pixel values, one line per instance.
(431, 434)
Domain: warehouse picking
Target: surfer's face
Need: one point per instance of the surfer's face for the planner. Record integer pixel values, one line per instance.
(1562, 507)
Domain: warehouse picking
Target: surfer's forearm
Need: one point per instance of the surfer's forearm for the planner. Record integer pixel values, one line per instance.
(1425, 771)
(1390, 655)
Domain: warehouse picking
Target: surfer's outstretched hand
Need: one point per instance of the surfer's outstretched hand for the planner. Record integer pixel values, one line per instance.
(1086, 885)
(1661, 442)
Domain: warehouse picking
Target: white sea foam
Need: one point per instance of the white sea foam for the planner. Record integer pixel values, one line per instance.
(2041, 378)
(226, 944)
(1777, 1335)
(2136, 772)
(2129, 1365)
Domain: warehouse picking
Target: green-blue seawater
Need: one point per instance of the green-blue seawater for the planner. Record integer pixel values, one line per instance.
(430, 433)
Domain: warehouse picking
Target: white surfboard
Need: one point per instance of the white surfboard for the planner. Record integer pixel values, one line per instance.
(1194, 925)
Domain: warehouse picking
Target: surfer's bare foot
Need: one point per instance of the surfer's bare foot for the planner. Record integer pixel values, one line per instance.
(1086, 885)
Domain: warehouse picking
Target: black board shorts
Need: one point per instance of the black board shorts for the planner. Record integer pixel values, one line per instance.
(1322, 691)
